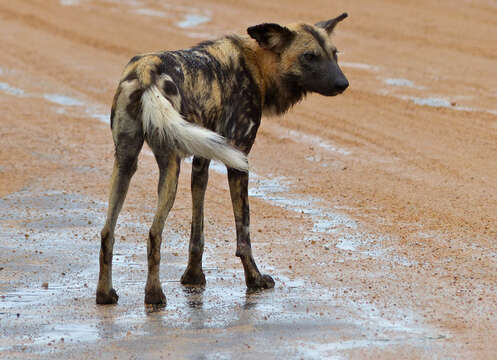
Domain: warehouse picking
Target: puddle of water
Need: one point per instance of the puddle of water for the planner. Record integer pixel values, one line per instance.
(202, 35)
(105, 118)
(437, 102)
(433, 102)
(6, 88)
(94, 111)
(59, 100)
(127, 2)
(76, 332)
(263, 188)
(151, 12)
(326, 219)
(361, 66)
(192, 20)
(348, 244)
(62, 100)
(276, 190)
(66, 309)
(332, 223)
(317, 141)
(70, 2)
(402, 82)
(315, 350)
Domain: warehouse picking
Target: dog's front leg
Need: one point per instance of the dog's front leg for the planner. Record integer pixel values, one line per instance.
(238, 182)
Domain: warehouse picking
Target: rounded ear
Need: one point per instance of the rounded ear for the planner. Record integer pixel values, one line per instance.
(329, 25)
(271, 36)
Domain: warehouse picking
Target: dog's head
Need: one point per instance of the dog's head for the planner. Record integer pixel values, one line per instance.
(305, 54)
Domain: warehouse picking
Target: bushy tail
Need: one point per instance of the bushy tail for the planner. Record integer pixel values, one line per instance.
(159, 114)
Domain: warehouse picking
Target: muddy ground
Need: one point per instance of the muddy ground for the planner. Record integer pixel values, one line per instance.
(375, 211)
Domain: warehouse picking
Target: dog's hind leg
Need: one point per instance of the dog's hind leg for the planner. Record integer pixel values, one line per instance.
(169, 166)
(128, 146)
(238, 182)
(127, 132)
(193, 274)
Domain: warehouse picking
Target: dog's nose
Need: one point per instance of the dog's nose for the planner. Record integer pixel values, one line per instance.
(342, 84)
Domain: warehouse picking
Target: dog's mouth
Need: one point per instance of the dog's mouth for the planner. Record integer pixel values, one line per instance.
(338, 92)
(333, 92)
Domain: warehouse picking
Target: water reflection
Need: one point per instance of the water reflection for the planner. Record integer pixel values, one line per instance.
(152, 309)
(194, 296)
(252, 297)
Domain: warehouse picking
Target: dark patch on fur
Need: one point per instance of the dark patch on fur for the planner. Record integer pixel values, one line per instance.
(264, 33)
(153, 76)
(135, 59)
(282, 95)
(134, 106)
(235, 40)
(199, 60)
(112, 114)
(170, 66)
(130, 77)
(114, 104)
(170, 88)
(203, 44)
(329, 25)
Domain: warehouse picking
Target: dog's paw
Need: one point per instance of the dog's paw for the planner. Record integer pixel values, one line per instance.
(193, 277)
(155, 296)
(104, 298)
(261, 282)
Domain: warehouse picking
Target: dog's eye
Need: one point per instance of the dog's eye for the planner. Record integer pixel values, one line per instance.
(309, 56)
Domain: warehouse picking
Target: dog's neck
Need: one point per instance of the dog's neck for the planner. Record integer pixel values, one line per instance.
(279, 92)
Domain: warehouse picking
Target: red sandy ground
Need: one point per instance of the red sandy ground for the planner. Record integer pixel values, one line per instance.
(419, 180)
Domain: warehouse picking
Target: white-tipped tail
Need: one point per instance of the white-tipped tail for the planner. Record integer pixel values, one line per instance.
(159, 114)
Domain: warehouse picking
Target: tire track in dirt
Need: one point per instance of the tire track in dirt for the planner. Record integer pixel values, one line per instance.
(39, 23)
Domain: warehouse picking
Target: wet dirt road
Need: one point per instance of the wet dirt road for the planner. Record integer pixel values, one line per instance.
(375, 211)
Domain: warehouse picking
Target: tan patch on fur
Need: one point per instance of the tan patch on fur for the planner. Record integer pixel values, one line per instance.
(261, 63)
(122, 120)
(225, 52)
(143, 68)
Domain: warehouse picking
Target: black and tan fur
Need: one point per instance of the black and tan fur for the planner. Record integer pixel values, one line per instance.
(207, 101)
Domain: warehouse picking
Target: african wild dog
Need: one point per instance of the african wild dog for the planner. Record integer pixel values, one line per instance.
(207, 101)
